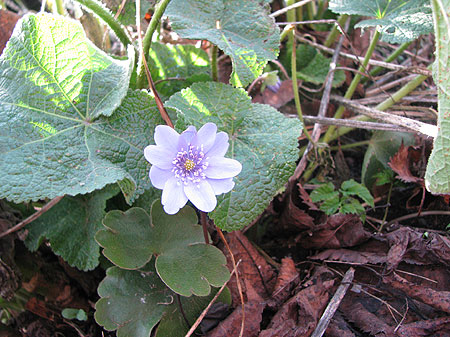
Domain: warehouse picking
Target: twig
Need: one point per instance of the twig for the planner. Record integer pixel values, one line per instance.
(355, 124)
(322, 111)
(334, 303)
(422, 128)
(203, 314)
(403, 317)
(204, 222)
(288, 8)
(415, 215)
(415, 70)
(238, 282)
(32, 217)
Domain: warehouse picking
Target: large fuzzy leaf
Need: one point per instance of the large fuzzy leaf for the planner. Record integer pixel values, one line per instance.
(241, 28)
(261, 138)
(70, 227)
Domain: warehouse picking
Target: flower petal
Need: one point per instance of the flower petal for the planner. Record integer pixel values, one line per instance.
(166, 137)
(206, 136)
(159, 156)
(159, 177)
(201, 195)
(220, 146)
(221, 168)
(220, 186)
(186, 137)
(173, 197)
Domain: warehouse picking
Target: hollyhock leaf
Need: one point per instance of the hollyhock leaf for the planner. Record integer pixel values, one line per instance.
(261, 139)
(70, 227)
(241, 28)
(132, 302)
(184, 262)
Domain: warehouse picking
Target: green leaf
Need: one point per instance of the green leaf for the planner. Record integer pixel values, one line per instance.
(437, 175)
(350, 205)
(383, 145)
(331, 205)
(173, 323)
(70, 227)
(261, 138)
(178, 63)
(71, 313)
(324, 192)
(132, 302)
(351, 187)
(241, 28)
(397, 20)
(317, 70)
(46, 154)
(184, 262)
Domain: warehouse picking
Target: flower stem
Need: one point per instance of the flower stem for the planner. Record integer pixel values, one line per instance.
(147, 41)
(335, 31)
(204, 222)
(214, 68)
(59, 7)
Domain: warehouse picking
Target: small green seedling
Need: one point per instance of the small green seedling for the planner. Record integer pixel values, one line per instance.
(343, 200)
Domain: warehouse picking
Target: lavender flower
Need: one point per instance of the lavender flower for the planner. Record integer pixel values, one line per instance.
(191, 166)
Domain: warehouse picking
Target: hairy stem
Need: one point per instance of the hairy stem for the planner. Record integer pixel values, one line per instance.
(106, 16)
(147, 41)
(335, 31)
(214, 68)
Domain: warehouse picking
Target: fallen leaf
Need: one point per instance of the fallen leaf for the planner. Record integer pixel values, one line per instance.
(439, 327)
(400, 164)
(288, 278)
(7, 22)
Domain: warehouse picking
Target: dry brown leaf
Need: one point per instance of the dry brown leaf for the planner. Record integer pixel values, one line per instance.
(288, 278)
(7, 22)
(340, 230)
(276, 99)
(439, 327)
(400, 164)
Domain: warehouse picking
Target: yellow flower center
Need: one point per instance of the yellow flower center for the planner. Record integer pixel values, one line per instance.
(189, 164)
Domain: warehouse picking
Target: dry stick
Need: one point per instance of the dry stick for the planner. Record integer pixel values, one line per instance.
(334, 303)
(415, 70)
(288, 8)
(238, 282)
(203, 314)
(355, 124)
(415, 215)
(322, 111)
(420, 127)
(32, 217)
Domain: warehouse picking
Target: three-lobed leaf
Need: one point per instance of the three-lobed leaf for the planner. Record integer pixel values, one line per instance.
(184, 262)
(241, 28)
(351, 187)
(261, 139)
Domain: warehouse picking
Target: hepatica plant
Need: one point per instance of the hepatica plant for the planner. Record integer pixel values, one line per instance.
(191, 166)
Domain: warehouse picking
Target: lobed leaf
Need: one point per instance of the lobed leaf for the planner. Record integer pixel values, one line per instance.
(262, 139)
(132, 302)
(241, 28)
(184, 262)
(351, 187)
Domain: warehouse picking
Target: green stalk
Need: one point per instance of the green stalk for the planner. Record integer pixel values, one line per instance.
(351, 89)
(106, 16)
(291, 42)
(147, 41)
(59, 7)
(390, 58)
(349, 146)
(214, 68)
(335, 31)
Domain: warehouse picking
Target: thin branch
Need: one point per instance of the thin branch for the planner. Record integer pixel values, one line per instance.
(422, 128)
(334, 303)
(32, 217)
(288, 8)
(415, 70)
(355, 124)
